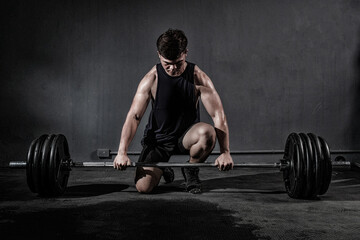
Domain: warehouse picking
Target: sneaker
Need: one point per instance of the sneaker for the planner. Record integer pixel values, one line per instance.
(168, 174)
(192, 181)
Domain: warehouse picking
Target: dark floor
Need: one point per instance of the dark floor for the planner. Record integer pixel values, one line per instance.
(242, 204)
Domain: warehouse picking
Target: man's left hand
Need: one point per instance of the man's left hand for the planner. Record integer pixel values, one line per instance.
(224, 162)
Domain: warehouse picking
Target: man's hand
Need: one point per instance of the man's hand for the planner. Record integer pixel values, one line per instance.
(121, 161)
(224, 162)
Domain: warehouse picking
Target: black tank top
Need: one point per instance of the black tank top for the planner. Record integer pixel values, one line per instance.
(174, 109)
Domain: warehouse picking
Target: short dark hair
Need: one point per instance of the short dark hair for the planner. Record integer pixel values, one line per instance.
(172, 43)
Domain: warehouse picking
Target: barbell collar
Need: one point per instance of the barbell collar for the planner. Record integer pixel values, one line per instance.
(17, 164)
(341, 164)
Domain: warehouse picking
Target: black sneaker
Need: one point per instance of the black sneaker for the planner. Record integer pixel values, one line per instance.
(192, 181)
(168, 174)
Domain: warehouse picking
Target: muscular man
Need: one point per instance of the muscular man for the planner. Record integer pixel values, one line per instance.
(174, 87)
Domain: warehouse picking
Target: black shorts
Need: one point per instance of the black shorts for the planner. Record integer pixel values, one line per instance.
(162, 152)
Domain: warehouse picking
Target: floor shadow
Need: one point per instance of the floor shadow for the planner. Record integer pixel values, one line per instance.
(255, 183)
(235, 184)
(135, 219)
(343, 187)
(176, 186)
(91, 190)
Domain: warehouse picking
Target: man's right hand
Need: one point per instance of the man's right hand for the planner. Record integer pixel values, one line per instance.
(121, 161)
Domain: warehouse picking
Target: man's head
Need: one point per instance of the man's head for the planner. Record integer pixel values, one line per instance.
(171, 44)
(172, 51)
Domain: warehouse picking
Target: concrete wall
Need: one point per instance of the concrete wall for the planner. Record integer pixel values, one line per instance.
(72, 67)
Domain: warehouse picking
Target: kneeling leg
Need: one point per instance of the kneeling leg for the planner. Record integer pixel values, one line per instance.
(147, 178)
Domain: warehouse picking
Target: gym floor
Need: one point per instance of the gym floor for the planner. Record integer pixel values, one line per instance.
(101, 203)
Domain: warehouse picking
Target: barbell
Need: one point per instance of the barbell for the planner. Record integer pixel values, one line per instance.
(306, 165)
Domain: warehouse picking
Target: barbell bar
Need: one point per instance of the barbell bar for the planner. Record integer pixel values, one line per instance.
(306, 165)
(157, 164)
(71, 164)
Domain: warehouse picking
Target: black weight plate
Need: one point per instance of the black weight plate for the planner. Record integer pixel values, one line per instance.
(328, 167)
(308, 166)
(63, 172)
(45, 158)
(311, 169)
(36, 167)
(315, 161)
(322, 165)
(319, 162)
(58, 176)
(29, 163)
(301, 184)
(52, 167)
(289, 171)
(292, 178)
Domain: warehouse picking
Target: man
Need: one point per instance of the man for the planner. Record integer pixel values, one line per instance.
(174, 87)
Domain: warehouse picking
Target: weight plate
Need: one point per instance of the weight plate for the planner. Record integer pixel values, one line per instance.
(289, 171)
(294, 178)
(58, 175)
(308, 166)
(328, 167)
(45, 188)
(63, 172)
(52, 167)
(322, 165)
(36, 167)
(292, 175)
(312, 166)
(301, 184)
(318, 162)
(29, 163)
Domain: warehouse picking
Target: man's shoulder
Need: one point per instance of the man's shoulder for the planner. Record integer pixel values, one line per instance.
(149, 78)
(198, 73)
(201, 78)
(151, 75)
(196, 69)
(153, 70)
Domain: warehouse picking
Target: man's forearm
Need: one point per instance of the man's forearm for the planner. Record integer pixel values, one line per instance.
(222, 134)
(127, 134)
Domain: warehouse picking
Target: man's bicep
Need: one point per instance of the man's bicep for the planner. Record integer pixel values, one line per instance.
(139, 105)
(209, 96)
(211, 101)
(142, 98)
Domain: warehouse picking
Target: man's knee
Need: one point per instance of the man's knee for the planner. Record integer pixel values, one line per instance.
(147, 179)
(207, 135)
(144, 187)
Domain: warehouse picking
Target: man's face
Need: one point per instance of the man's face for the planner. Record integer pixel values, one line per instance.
(174, 68)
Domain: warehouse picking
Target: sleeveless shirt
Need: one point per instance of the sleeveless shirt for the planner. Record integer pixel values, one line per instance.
(174, 109)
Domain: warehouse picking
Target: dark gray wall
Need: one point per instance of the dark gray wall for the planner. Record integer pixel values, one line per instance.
(72, 67)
